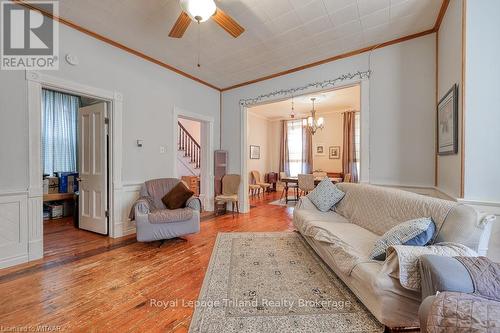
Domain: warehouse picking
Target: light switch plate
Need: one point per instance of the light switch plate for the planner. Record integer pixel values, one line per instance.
(163, 149)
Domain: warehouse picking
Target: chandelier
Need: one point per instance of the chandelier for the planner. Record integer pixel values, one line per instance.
(312, 123)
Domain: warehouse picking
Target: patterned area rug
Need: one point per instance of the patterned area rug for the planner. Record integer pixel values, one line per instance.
(274, 282)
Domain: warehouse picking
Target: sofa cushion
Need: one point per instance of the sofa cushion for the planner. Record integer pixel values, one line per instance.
(325, 195)
(378, 209)
(301, 216)
(176, 198)
(349, 243)
(417, 232)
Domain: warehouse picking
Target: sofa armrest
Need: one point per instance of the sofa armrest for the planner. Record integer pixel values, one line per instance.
(194, 203)
(440, 273)
(305, 203)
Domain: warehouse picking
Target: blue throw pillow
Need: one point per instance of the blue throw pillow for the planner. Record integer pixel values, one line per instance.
(416, 232)
(325, 195)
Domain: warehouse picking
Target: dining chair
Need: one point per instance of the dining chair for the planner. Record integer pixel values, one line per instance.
(306, 183)
(257, 180)
(254, 189)
(347, 178)
(293, 186)
(230, 187)
(320, 174)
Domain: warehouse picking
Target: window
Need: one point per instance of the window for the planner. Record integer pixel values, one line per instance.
(357, 140)
(294, 132)
(59, 131)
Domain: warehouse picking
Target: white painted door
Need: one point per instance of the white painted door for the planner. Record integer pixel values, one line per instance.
(92, 165)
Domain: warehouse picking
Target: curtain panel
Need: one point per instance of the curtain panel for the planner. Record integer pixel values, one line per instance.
(59, 131)
(307, 158)
(295, 148)
(349, 156)
(284, 153)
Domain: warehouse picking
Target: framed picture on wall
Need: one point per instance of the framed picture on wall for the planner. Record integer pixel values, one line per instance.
(254, 152)
(334, 152)
(319, 149)
(447, 125)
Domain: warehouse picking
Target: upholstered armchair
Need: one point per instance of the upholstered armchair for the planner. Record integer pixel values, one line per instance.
(457, 298)
(154, 221)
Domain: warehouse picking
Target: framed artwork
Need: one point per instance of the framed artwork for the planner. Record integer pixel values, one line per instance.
(319, 149)
(254, 152)
(447, 118)
(334, 152)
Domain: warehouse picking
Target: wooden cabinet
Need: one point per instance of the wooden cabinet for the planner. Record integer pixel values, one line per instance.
(193, 183)
(220, 169)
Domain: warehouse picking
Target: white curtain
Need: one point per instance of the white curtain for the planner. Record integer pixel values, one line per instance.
(59, 131)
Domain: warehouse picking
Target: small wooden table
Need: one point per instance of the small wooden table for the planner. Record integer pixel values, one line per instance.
(58, 197)
(295, 180)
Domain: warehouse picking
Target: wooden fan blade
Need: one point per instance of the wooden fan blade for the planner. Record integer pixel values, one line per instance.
(180, 26)
(227, 23)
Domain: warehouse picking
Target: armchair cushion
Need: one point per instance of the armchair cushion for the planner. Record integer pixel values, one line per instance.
(167, 215)
(176, 198)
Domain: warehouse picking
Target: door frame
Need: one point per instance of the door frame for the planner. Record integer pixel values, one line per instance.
(364, 177)
(36, 81)
(207, 148)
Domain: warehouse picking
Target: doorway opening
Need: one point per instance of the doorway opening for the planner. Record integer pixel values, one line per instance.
(75, 145)
(189, 153)
(317, 134)
(194, 137)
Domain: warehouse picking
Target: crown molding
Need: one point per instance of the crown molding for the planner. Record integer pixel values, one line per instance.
(115, 44)
(139, 54)
(334, 58)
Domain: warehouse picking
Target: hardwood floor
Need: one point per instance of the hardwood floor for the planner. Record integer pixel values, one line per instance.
(91, 283)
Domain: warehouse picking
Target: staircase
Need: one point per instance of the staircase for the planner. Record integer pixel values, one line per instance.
(189, 151)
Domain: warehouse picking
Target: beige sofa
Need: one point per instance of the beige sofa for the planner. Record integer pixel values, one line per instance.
(344, 238)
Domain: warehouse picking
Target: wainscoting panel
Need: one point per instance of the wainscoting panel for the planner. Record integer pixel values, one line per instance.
(126, 197)
(13, 230)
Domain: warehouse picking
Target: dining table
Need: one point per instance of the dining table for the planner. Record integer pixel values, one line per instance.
(295, 180)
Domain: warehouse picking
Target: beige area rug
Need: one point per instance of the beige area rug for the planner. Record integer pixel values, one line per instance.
(274, 282)
(282, 203)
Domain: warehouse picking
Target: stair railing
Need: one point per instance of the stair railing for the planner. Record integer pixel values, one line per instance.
(189, 146)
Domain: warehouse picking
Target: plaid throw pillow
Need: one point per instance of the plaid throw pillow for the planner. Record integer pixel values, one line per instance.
(325, 195)
(416, 232)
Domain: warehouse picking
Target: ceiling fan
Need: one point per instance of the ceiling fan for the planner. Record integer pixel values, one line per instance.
(200, 11)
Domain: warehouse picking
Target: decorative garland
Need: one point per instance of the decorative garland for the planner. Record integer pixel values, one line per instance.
(294, 91)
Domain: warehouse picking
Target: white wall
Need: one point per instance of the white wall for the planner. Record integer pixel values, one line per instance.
(402, 113)
(193, 127)
(482, 112)
(149, 93)
(331, 135)
(258, 136)
(482, 130)
(449, 175)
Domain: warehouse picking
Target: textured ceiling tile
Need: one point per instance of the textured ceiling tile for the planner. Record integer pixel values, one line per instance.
(311, 11)
(345, 15)
(377, 18)
(369, 6)
(320, 24)
(279, 34)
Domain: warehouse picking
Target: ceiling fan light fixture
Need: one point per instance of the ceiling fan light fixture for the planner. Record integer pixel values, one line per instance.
(199, 10)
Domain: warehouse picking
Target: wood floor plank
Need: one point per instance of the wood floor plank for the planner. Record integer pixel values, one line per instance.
(92, 283)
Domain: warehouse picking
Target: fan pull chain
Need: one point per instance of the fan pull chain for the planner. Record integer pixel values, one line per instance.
(199, 45)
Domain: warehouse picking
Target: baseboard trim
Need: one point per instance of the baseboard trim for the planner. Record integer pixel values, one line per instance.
(12, 261)
(35, 250)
